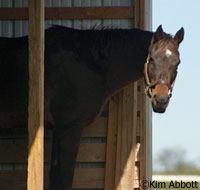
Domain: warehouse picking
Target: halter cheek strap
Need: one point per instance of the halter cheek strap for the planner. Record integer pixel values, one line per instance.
(146, 70)
(150, 85)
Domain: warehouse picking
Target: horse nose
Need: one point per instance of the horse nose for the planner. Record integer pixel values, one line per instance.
(161, 99)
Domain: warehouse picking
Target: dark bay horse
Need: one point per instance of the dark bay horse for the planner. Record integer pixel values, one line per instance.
(83, 68)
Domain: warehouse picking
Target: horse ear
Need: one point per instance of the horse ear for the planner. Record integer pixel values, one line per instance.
(159, 29)
(158, 34)
(179, 36)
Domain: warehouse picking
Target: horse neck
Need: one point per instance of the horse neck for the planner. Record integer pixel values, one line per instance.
(126, 59)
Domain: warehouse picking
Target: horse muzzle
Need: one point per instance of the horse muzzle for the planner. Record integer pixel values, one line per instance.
(160, 98)
(160, 103)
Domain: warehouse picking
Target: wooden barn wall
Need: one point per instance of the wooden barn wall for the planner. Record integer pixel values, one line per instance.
(130, 108)
(16, 28)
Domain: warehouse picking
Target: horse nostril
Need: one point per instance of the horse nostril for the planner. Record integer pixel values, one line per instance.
(162, 99)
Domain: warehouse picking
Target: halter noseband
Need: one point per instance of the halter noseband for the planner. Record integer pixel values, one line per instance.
(150, 85)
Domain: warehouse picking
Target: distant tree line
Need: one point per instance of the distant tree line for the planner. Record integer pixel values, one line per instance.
(174, 162)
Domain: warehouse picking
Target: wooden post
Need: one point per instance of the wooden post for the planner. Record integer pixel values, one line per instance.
(126, 139)
(36, 95)
(129, 130)
(121, 142)
(143, 21)
(111, 144)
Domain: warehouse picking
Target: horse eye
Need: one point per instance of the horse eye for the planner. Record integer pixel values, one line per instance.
(151, 60)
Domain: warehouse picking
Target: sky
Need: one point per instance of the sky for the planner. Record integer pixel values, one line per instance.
(179, 126)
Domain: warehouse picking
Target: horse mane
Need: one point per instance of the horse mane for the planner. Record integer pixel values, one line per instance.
(101, 33)
(94, 45)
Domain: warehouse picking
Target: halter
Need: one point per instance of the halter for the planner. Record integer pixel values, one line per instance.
(150, 85)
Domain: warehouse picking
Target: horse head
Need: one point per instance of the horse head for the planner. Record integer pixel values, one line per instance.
(161, 67)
